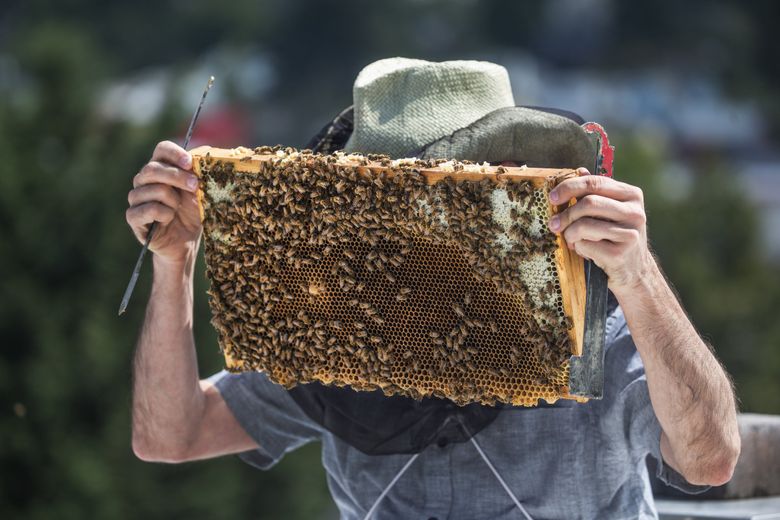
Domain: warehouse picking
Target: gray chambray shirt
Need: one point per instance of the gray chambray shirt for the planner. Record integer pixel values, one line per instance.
(574, 461)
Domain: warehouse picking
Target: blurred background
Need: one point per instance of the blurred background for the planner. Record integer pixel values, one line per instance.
(686, 90)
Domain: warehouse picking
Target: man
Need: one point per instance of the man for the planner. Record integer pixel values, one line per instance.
(665, 393)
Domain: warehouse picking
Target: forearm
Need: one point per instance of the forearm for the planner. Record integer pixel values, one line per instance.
(690, 392)
(167, 398)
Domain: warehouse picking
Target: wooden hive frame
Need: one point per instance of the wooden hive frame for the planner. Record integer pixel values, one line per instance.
(244, 163)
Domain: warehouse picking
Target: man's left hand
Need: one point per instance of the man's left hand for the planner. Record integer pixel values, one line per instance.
(607, 224)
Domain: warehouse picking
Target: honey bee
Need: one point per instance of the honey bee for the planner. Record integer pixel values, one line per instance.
(547, 291)
(457, 309)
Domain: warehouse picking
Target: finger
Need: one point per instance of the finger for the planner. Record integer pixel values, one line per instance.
(598, 251)
(144, 214)
(577, 187)
(593, 229)
(155, 193)
(155, 172)
(594, 206)
(170, 152)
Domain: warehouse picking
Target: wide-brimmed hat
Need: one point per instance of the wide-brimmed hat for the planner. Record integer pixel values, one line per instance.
(454, 110)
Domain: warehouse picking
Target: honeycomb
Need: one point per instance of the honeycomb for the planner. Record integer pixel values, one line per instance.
(420, 278)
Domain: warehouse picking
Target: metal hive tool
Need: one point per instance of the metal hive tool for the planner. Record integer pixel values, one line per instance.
(416, 277)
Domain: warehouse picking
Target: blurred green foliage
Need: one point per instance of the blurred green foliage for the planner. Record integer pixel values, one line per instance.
(66, 253)
(708, 239)
(65, 370)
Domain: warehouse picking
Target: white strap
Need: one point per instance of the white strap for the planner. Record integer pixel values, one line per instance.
(390, 485)
(501, 480)
(484, 458)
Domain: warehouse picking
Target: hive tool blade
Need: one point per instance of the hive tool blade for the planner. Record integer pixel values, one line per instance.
(586, 375)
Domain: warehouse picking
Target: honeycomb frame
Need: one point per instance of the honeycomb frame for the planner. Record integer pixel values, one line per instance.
(405, 275)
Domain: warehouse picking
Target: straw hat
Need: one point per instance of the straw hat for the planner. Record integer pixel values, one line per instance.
(455, 110)
(403, 104)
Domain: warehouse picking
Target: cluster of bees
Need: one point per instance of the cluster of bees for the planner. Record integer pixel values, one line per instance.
(323, 269)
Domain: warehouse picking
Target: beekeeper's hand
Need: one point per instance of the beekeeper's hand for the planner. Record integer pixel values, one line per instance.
(164, 191)
(607, 225)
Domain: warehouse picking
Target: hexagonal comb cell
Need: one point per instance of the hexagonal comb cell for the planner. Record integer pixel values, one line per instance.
(417, 277)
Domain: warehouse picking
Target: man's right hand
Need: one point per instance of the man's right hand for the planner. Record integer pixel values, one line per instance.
(164, 191)
(176, 417)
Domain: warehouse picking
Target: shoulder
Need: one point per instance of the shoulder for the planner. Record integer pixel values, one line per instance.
(268, 414)
(254, 394)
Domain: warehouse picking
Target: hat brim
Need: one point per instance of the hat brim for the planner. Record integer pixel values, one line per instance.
(538, 137)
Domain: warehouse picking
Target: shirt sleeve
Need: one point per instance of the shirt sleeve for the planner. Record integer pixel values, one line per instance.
(629, 410)
(268, 414)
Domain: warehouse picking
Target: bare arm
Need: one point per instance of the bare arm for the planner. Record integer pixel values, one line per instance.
(691, 393)
(176, 417)
(689, 390)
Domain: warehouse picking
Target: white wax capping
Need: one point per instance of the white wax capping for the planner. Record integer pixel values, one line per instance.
(476, 168)
(406, 161)
(219, 193)
(239, 150)
(502, 208)
(218, 236)
(448, 166)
